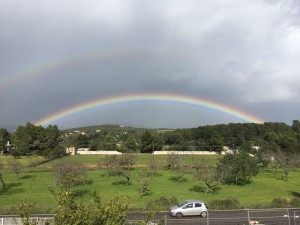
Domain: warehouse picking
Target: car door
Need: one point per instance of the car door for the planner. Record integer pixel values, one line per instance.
(197, 208)
(187, 210)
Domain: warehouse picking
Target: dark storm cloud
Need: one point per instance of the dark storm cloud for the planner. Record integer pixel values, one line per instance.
(243, 54)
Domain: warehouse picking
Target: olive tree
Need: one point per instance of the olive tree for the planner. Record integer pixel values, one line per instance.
(123, 165)
(108, 162)
(15, 166)
(237, 168)
(174, 161)
(68, 174)
(145, 180)
(209, 176)
(286, 161)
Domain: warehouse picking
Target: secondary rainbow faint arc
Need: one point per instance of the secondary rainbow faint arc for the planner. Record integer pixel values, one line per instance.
(40, 68)
(169, 98)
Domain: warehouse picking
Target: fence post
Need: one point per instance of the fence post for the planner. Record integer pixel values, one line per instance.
(288, 214)
(207, 220)
(165, 219)
(296, 216)
(2, 221)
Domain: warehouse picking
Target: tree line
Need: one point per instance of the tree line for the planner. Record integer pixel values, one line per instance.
(51, 141)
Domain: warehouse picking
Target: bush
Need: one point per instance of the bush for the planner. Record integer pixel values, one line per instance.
(295, 202)
(224, 204)
(161, 204)
(279, 203)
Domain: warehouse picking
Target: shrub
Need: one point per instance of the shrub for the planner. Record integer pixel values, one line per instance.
(224, 204)
(279, 203)
(161, 204)
(295, 202)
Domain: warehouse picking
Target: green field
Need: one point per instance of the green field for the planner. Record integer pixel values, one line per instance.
(34, 184)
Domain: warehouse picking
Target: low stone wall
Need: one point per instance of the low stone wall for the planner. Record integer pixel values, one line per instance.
(99, 153)
(185, 152)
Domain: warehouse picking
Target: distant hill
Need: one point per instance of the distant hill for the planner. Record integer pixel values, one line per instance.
(101, 127)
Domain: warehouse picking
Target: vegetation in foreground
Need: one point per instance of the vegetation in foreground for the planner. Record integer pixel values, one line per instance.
(264, 162)
(149, 186)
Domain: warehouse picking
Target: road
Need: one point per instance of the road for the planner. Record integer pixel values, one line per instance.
(229, 217)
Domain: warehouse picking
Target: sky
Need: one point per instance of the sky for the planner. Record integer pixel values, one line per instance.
(58, 54)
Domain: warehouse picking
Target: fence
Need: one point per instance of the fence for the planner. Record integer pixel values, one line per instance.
(214, 217)
(234, 217)
(275, 216)
(16, 220)
(297, 217)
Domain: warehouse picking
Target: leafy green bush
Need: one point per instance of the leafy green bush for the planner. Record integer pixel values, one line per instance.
(224, 204)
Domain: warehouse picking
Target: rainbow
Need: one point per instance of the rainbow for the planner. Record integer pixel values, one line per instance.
(165, 98)
(43, 67)
(40, 68)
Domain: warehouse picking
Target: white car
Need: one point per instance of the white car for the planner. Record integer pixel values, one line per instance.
(189, 208)
(253, 222)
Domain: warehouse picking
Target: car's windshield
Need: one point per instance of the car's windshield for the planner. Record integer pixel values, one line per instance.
(182, 204)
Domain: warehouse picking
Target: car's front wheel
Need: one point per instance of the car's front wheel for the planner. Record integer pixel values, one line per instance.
(203, 214)
(179, 215)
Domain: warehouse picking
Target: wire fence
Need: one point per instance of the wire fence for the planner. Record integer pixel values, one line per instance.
(232, 217)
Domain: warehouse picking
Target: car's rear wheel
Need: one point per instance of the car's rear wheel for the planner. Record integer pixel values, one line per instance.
(203, 214)
(179, 215)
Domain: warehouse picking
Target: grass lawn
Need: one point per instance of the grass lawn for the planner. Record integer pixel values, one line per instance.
(35, 186)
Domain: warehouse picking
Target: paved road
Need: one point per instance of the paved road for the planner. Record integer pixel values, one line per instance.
(230, 217)
(215, 217)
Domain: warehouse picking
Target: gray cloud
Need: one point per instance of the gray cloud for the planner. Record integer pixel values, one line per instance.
(241, 54)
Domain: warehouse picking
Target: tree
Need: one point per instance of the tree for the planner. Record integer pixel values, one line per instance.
(25, 208)
(209, 176)
(131, 143)
(264, 156)
(15, 166)
(127, 160)
(237, 168)
(27, 139)
(4, 137)
(81, 141)
(1, 177)
(147, 142)
(51, 137)
(198, 164)
(174, 161)
(286, 161)
(108, 161)
(123, 165)
(296, 126)
(216, 143)
(31, 139)
(172, 138)
(145, 179)
(206, 173)
(68, 174)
